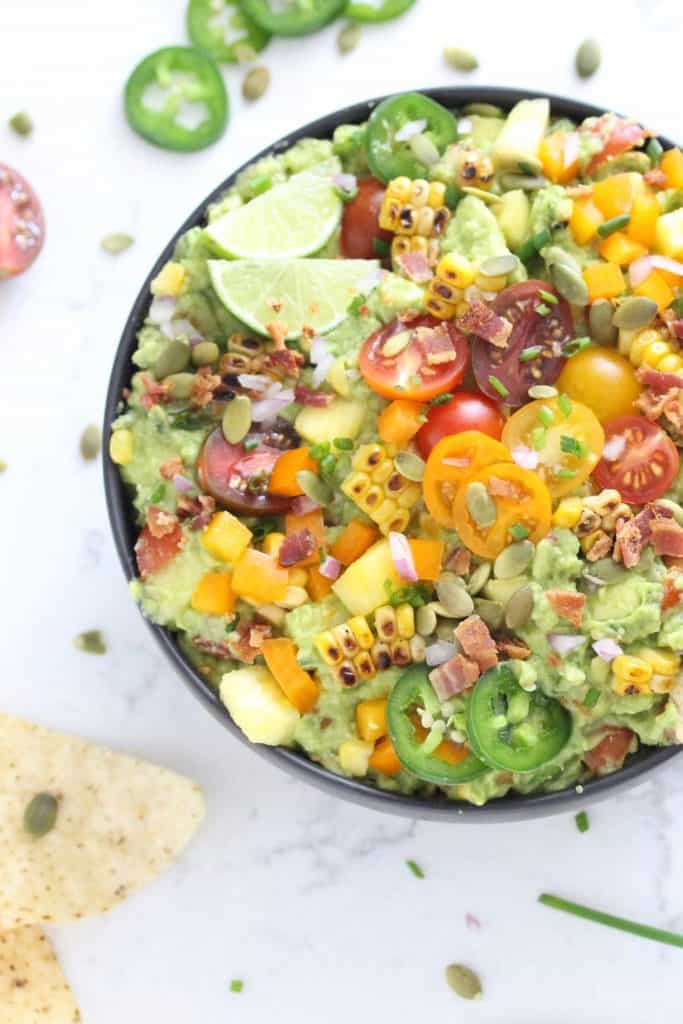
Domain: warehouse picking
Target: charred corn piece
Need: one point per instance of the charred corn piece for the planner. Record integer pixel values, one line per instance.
(400, 653)
(405, 621)
(409, 496)
(417, 648)
(388, 517)
(631, 675)
(362, 632)
(474, 168)
(347, 673)
(455, 270)
(383, 473)
(245, 344)
(453, 274)
(568, 513)
(356, 486)
(365, 666)
(369, 457)
(650, 348)
(402, 245)
(381, 655)
(377, 487)
(414, 207)
(346, 640)
(372, 500)
(385, 622)
(591, 539)
(438, 307)
(662, 661)
(329, 649)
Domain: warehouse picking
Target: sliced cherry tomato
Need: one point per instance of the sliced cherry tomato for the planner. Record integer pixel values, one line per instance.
(22, 226)
(610, 752)
(453, 460)
(389, 158)
(467, 410)
(153, 553)
(648, 464)
(238, 480)
(530, 331)
(603, 380)
(520, 497)
(567, 437)
(618, 135)
(432, 358)
(360, 225)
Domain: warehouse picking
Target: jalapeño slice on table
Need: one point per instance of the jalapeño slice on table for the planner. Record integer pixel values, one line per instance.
(293, 17)
(222, 30)
(361, 10)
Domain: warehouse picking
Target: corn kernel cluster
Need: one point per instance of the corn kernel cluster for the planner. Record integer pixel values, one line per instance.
(473, 168)
(649, 670)
(649, 347)
(444, 294)
(377, 487)
(357, 651)
(594, 521)
(244, 355)
(414, 207)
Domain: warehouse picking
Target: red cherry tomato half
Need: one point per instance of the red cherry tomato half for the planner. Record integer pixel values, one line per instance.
(545, 331)
(427, 357)
(646, 467)
(238, 480)
(153, 553)
(360, 225)
(22, 225)
(466, 410)
(619, 135)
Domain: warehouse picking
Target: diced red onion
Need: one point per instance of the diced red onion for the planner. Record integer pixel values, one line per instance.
(181, 483)
(525, 457)
(161, 309)
(303, 504)
(614, 448)
(267, 409)
(345, 182)
(564, 643)
(402, 556)
(639, 270)
(472, 921)
(607, 649)
(255, 381)
(439, 653)
(319, 349)
(330, 568)
(410, 128)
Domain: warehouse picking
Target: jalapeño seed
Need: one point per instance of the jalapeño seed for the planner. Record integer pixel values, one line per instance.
(348, 37)
(513, 560)
(91, 442)
(459, 59)
(635, 312)
(519, 608)
(480, 505)
(255, 83)
(40, 815)
(313, 487)
(410, 465)
(464, 982)
(206, 353)
(542, 391)
(570, 284)
(236, 419)
(499, 266)
(173, 358)
(587, 58)
(600, 321)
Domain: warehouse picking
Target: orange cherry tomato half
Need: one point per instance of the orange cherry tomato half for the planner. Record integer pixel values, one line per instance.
(360, 224)
(466, 410)
(648, 464)
(520, 497)
(453, 460)
(417, 358)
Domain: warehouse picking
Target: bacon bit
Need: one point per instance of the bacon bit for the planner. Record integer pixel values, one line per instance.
(672, 595)
(159, 522)
(633, 535)
(295, 547)
(155, 393)
(215, 648)
(476, 641)
(654, 405)
(169, 469)
(554, 660)
(459, 561)
(285, 362)
(661, 383)
(600, 549)
(568, 605)
(308, 332)
(153, 553)
(204, 386)
(243, 644)
(436, 344)
(611, 750)
(499, 488)
(656, 177)
(484, 323)
(415, 266)
(513, 649)
(198, 510)
(278, 330)
(454, 676)
(667, 537)
(306, 396)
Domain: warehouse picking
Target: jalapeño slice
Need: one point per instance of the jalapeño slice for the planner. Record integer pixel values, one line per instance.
(292, 17)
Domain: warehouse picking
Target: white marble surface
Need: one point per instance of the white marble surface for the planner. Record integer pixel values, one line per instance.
(306, 898)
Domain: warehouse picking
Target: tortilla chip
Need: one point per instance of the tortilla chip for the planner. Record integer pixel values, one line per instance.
(120, 822)
(32, 986)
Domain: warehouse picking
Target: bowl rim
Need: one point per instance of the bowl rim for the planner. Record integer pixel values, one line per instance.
(512, 807)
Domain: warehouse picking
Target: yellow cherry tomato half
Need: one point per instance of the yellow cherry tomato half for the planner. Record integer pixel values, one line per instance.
(603, 380)
(520, 497)
(450, 462)
(565, 434)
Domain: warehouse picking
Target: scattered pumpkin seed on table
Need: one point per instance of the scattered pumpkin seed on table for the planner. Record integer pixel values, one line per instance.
(464, 982)
(348, 37)
(256, 82)
(117, 242)
(40, 815)
(90, 642)
(459, 59)
(587, 58)
(91, 442)
(21, 123)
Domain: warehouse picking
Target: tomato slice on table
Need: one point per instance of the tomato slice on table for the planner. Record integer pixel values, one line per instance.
(238, 480)
(22, 226)
(390, 157)
(647, 465)
(566, 436)
(360, 224)
(359, 11)
(602, 379)
(534, 351)
(454, 459)
(292, 19)
(520, 498)
(154, 553)
(466, 410)
(414, 359)
(220, 28)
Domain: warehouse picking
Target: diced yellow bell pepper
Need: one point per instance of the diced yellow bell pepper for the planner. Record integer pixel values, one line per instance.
(645, 212)
(585, 220)
(371, 719)
(258, 577)
(615, 195)
(213, 594)
(669, 236)
(604, 280)
(121, 447)
(619, 248)
(672, 165)
(553, 156)
(226, 537)
(655, 287)
(169, 280)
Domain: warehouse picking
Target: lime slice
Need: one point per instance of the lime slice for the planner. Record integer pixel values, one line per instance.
(300, 293)
(289, 220)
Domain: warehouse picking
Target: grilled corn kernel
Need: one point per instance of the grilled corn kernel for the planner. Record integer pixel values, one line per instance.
(354, 757)
(298, 577)
(414, 207)
(169, 280)
(400, 653)
(624, 688)
(455, 270)
(362, 632)
(568, 513)
(662, 661)
(368, 458)
(328, 647)
(294, 598)
(474, 168)
(365, 666)
(381, 655)
(383, 472)
(631, 675)
(272, 544)
(372, 500)
(590, 540)
(417, 648)
(405, 621)
(491, 284)
(376, 486)
(346, 640)
(356, 486)
(385, 622)
(121, 447)
(245, 344)
(397, 520)
(347, 674)
(648, 348)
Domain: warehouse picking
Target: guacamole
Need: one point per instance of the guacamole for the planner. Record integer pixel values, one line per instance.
(385, 497)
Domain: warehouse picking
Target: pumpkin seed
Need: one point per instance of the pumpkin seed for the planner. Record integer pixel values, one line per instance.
(519, 608)
(635, 312)
(181, 385)
(483, 110)
(587, 58)
(206, 353)
(256, 82)
(313, 487)
(624, 163)
(90, 642)
(453, 596)
(490, 611)
(396, 343)
(479, 578)
(425, 620)
(542, 391)
(480, 193)
(600, 321)
(21, 123)
(554, 254)
(607, 570)
(459, 59)
(673, 507)
(410, 465)
(236, 419)
(527, 182)
(480, 505)
(173, 358)
(3, 466)
(570, 284)
(464, 982)
(40, 814)
(444, 631)
(499, 266)
(348, 37)
(91, 442)
(513, 560)
(116, 243)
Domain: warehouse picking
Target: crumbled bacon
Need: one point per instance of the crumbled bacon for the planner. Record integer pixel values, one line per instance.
(286, 362)
(169, 469)
(499, 488)
(155, 392)
(243, 644)
(484, 323)
(160, 522)
(513, 648)
(278, 331)
(296, 547)
(633, 535)
(198, 510)
(567, 604)
(306, 396)
(601, 548)
(436, 344)
(459, 561)
(204, 386)
(153, 553)
(656, 177)
(672, 595)
(454, 676)
(667, 537)
(659, 382)
(476, 641)
(415, 265)
(610, 751)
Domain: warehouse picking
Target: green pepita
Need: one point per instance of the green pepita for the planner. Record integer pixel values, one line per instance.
(173, 358)
(181, 385)
(348, 37)
(483, 110)
(499, 266)
(3, 466)
(480, 505)
(21, 123)
(444, 630)
(490, 611)
(519, 608)
(634, 313)
(606, 569)
(396, 343)
(542, 391)
(464, 982)
(570, 284)
(236, 419)
(313, 487)
(480, 193)
(256, 82)
(600, 321)
(554, 254)
(206, 353)
(90, 642)
(479, 577)
(587, 58)
(513, 560)
(526, 182)
(117, 242)
(410, 465)
(91, 442)
(459, 59)
(425, 620)
(453, 596)
(40, 815)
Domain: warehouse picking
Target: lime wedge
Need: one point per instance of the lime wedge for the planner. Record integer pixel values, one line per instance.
(300, 293)
(289, 220)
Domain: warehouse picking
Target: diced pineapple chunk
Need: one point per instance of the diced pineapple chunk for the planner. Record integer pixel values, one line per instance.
(354, 757)
(512, 213)
(669, 239)
(362, 586)
(169, 280)
(520, 139)
(343, 417)
(226, 537)
(258, 706)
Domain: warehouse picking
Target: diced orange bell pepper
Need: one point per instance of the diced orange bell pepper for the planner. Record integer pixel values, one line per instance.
(314, 522)
(400, 421)
(672, 165)
(619, 248)
(615, 195)
(642, 226)
(259, 577)
(371, 719)
(585, 220)
(283, 477)
(213, 594)
(428, 556)
(353, 541)
(553, 155)
(450, 752)
(298, 685)
(604, 280)
(317, 585)
(655, 287)
(226, 537)
(383, 759)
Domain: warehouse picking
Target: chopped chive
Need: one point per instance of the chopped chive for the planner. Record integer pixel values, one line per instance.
(538, 436)
(158, 494)
(327, 465)
(356, 304)
(534, 244)
(415, 868)
(565, 474)
(261, 184)
(582, 822)
(236, 985)
(319, 451)
(452, 196)
(388, 588)
(519, 531)
(530, 353)
(576, 345)
(344, 444)
(442, 399)
(545, 416)
(345, 196)
(654, 150)
(498, 386)
(643, 931)
(232, 624)
(614, 224)
(591, 698)
(380, 247)
(572, 446)
(526, 168)
(548, 297)
(565, 405)
(542, 309)
(250, 443)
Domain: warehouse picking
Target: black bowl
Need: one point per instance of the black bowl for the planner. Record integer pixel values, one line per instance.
(509, 808)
